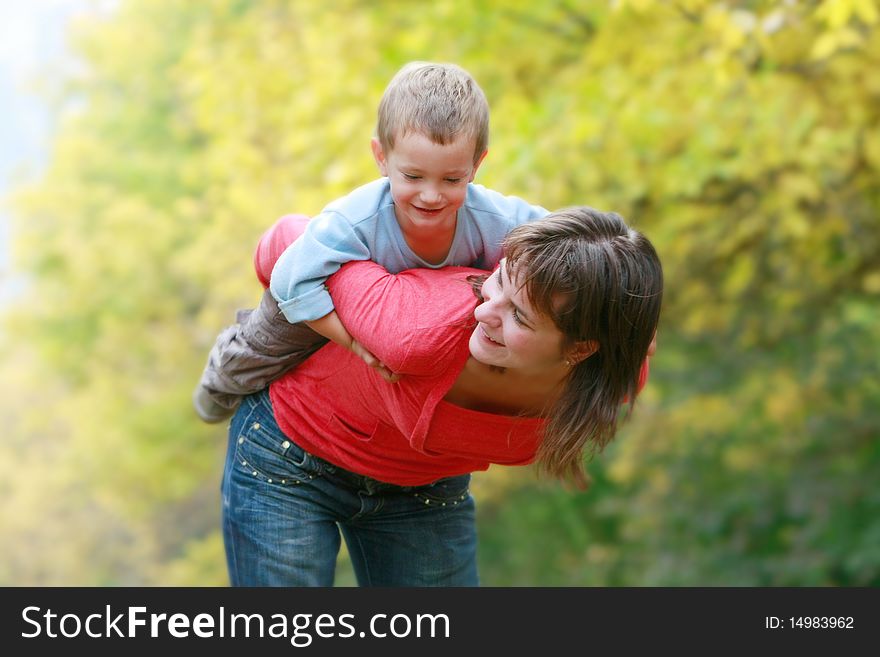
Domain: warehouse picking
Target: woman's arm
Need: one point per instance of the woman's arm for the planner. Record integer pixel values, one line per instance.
(404, 319)
(400, 318)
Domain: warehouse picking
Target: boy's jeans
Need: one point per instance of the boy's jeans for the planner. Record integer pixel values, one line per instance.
(283, 510)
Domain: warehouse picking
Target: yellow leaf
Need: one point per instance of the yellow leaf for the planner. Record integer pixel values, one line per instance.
(871, 283)
(867, 11)
(872, 148)
(824, 46)
(836, 13)
(800, 186)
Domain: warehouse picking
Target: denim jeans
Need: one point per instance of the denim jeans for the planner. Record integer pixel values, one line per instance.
(284, 510)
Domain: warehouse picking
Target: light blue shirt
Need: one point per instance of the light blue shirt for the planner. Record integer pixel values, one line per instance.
(362, 226)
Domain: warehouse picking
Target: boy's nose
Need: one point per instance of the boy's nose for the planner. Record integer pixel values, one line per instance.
(431, 195)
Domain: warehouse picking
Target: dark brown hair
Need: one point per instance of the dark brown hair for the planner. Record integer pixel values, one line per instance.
(598, 280)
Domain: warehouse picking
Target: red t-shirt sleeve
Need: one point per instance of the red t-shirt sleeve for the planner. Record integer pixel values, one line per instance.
(643, 378)
(273, 243)
(409, 320)
(643, 375)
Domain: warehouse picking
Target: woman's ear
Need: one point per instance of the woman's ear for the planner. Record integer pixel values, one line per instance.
(581, 351)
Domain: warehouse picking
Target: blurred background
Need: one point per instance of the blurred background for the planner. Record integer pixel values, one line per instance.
(147, 144)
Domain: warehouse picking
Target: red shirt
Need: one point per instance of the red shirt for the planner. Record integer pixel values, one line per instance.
(418, 323)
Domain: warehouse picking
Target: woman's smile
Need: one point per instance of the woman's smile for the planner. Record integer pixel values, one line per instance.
(485, 335)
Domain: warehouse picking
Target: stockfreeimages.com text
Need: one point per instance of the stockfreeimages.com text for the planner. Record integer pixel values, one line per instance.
(300, 629)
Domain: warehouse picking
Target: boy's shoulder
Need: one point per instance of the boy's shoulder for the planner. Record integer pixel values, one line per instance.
(483, 200)
(363, 203)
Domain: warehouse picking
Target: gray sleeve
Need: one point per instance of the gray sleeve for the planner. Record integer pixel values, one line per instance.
(248, 356)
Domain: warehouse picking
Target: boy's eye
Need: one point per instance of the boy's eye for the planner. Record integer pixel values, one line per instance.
(410, 176)
(454, 181)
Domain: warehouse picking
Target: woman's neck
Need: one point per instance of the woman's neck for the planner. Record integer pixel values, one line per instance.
(481, 387)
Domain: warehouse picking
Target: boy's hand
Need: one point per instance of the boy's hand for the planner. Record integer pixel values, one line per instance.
(374, 362)
(331, 328)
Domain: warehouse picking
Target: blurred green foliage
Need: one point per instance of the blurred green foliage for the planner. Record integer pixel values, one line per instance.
(743, 138)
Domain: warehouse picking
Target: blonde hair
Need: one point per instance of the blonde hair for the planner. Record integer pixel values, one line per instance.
(610, 281)
(440, 101)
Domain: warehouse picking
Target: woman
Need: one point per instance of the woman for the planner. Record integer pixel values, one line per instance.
(537, 368)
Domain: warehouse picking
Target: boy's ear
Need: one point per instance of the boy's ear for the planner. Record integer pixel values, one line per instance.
(379, 156)
(477, 165)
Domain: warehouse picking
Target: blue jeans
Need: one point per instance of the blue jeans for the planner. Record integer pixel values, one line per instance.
(284, 510)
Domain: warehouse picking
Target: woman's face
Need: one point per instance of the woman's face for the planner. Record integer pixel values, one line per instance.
(509, 332)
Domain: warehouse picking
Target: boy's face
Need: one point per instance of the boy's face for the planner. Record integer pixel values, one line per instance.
(428, 181)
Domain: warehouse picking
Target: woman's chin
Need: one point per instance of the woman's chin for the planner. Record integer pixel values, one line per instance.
(479, 352)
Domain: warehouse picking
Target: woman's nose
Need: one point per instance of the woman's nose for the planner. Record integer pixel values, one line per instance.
(486, 313)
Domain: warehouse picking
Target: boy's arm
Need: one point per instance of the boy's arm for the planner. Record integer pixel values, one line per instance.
(299, 275)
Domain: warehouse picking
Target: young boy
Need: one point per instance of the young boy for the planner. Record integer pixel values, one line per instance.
(431, 137)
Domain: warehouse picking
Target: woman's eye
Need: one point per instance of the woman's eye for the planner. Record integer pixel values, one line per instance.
(516, 318)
